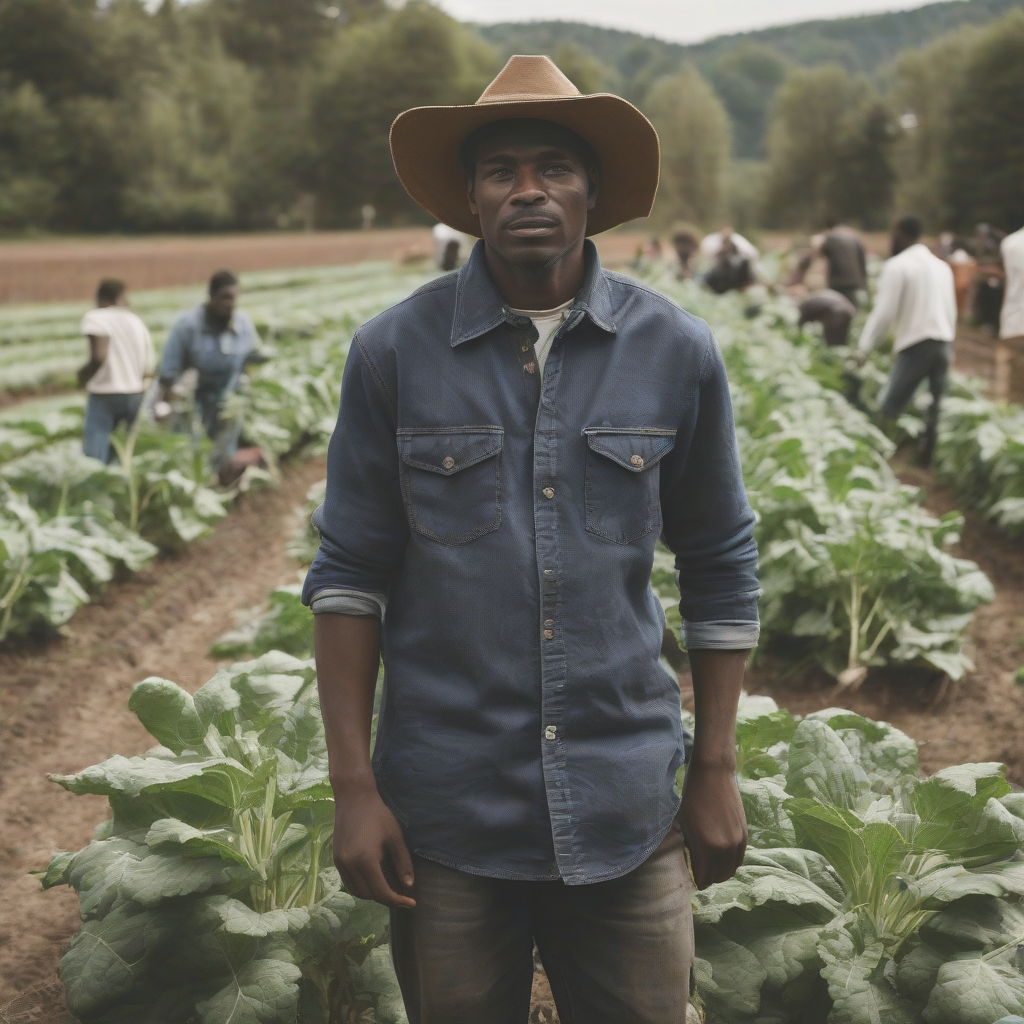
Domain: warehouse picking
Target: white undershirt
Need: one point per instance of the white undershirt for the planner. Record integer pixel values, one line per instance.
(547, 322)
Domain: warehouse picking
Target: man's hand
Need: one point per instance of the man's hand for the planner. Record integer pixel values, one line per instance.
(713, 823)
(369, 850)
(711, 814)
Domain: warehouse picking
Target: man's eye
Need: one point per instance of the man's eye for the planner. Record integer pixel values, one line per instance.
(499, 172)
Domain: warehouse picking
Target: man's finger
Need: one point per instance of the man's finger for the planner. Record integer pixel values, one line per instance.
(353, 882)
(381, 891)
(400, 859)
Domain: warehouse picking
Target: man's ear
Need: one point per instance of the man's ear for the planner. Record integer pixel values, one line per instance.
(471, 194)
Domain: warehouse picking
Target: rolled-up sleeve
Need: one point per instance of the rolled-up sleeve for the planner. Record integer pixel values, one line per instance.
(709, 525)
(362, 523)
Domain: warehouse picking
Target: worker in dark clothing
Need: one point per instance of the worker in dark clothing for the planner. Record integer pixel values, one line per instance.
(847, 262)
(834, 311)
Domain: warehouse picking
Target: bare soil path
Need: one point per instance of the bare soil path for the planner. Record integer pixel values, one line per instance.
(63, 706)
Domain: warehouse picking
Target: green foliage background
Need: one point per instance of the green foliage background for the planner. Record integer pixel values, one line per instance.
(154, 115)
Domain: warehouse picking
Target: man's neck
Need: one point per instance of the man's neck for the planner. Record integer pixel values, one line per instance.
(537, 287)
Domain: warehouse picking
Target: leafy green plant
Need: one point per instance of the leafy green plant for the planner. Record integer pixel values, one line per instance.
(286, 625)
(210, 895)
(854, 572)
(49, 568)
(868, 895)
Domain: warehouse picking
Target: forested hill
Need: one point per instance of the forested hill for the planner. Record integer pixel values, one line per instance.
(861, 44)
(745, 69)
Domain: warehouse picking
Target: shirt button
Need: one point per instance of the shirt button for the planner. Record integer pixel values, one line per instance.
(548, 492)
(549, 622)
(636, 460)
(549, 634)
(449, 462)
(549, 572)
(549, 732)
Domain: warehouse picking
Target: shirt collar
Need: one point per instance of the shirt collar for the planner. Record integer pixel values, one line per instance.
(479, 308)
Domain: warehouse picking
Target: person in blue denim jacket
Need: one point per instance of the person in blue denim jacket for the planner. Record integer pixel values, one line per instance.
(217, 340)
(512, 441)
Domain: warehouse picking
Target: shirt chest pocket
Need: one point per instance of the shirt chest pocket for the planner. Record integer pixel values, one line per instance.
(623, 481)
(451, 481)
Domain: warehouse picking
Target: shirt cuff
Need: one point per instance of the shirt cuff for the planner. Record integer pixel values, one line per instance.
(726, 635)
(348, 602)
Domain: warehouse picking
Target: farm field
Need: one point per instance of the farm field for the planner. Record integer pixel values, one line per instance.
(60, 270)
(66, 705)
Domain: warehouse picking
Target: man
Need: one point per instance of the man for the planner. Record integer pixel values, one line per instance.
(686, 245)
(512, 441)
(835, 313)
(732, 270)
(217, 340)
(1009, 382)
(915, 291)
(847, 262)
(121, 358)
(448, 246)
(711, 245)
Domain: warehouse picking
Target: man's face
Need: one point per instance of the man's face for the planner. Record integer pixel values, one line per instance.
(222, 302)
(532, 192)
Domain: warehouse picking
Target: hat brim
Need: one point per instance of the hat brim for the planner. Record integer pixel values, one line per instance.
(425, 148)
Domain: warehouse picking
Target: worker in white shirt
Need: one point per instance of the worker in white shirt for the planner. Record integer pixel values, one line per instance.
(121, 361)
(915, 292)
(711, 245)
(1009, 382)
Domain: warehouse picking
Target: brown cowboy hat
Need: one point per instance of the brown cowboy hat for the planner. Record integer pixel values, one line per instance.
(425, 143)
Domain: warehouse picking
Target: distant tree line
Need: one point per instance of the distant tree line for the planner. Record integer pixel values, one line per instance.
(118, 116)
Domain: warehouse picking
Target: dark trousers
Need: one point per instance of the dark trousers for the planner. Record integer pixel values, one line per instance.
(929, 360)
(103, 413)
(616, 952)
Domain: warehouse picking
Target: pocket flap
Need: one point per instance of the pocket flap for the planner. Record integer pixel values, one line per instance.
(447, 450)
(632, 448)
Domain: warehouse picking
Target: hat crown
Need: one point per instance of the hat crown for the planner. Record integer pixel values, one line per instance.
(528, 78)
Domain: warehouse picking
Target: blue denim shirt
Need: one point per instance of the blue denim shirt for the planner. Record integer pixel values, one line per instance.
(527, 729)
(218, 356)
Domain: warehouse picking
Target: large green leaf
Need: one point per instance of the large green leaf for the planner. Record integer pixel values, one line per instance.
(220, 779)
(163, 873)
(262, 992)
(975, 991)
(375, 980)
(856, 982)
(105, 958)
(169, 714)
(822, 768)
(729, 976)
(974, 923)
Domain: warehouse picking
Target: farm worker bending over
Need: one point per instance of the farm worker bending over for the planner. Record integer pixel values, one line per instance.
(121, 358)
(512, 440)
(847, 263)
(217, 340)
(915, 291)
(834, 311)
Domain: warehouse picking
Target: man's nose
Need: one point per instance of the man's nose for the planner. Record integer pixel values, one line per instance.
(529, 196)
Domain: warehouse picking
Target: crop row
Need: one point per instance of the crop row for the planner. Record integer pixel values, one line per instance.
(866, 894)
(69, 524)
(855, 572)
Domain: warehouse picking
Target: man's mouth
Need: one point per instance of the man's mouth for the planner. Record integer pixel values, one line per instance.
(533, 225)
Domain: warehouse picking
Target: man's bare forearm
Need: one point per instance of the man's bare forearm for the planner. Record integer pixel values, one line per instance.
(717, 682)
(711, 813)
(347, 659)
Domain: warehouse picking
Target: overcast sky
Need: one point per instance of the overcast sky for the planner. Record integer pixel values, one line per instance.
(683, 21)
